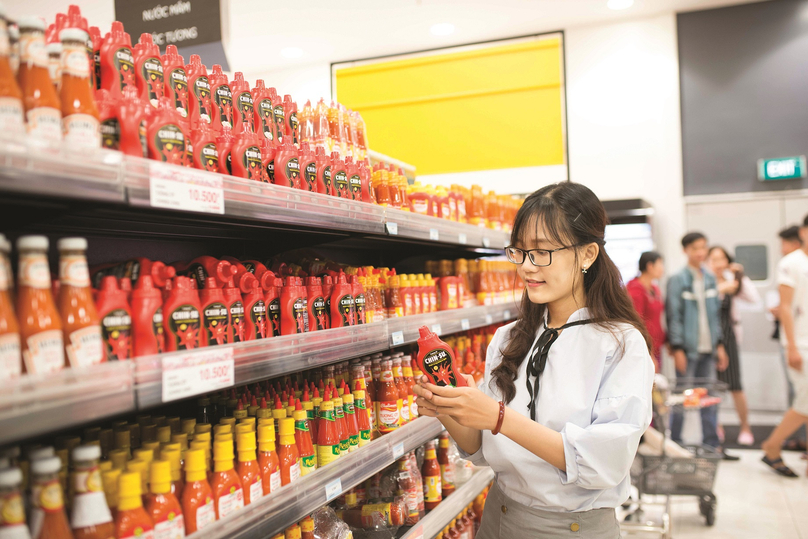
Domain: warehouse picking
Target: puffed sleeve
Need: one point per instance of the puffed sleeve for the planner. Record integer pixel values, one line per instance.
(600, 456)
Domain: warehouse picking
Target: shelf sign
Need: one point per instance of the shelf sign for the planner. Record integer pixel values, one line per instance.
(197, 371)
(179, 188)
(506, 314)
(461, 238)
(178, 22)
(489, 319)
(398, 450)
(397, 338)
(333, 489)
(434, 234)
(783, 168)
(464, 324)
(392, 228)
(436, 329)
(486, 242)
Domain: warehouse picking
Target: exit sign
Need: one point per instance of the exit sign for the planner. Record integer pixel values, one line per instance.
(783, 168)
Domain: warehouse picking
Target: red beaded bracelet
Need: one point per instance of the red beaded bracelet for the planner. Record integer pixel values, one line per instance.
(501, 418)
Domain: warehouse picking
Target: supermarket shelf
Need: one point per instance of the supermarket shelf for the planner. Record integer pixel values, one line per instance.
(293, 502)
(440, 517)
(33, 405)
(268, 358)
(57, 171)
(423, 227)
(405, 330)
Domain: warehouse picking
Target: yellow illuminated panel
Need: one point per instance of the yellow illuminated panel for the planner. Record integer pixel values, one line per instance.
(481, 109)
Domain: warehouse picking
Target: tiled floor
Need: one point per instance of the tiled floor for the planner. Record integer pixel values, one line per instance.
(753, 503)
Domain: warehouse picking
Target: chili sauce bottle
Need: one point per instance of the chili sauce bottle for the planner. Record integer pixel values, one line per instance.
(436, 359)
(215, 314)
(243, 99)
(343, 306)
(175, 80)
(268, 458)
(222, 94)
(201, 104)
(308, 457)
(132, 520)
(264, 121)
(198, 508)
(249, 470)
(133, 118)
(288, 453)
(166, 137)
(117, 62)
(206, 154)
(149, 70)
(162, 504)
(182, 322)
(116, 319)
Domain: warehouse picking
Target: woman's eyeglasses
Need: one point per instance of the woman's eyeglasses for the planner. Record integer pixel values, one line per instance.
(538, 257)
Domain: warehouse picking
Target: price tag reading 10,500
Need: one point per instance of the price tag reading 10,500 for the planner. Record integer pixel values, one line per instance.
(178, 188)
(197, 371)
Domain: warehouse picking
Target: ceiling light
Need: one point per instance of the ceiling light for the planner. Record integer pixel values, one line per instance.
(291, 52)
(442, 29)
(620, 4)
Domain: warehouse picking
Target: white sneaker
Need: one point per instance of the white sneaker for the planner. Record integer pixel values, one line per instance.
(746, 438)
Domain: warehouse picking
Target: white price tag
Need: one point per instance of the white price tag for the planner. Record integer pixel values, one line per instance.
(333, 489)
(398, 450)
(398, 338)
(198, 371)
(464, 324)
(392, 228)
(486, 242)
(434, 234)
(461, 239)
(489, 319)
(436, 329)
(506, 314)
(180, 188)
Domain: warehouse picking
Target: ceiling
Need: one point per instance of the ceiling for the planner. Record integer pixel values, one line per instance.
(329, 31)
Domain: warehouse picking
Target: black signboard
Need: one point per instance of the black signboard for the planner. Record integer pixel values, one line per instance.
(184, 23)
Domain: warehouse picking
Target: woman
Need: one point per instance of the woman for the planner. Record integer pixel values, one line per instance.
(567, 389)
(647, 300)
(732, 286)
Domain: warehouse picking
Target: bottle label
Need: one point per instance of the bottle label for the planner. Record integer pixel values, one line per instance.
(405, 411)
(252, 163)
(300, 315)
(267, 118)
(353, 442)
(86, 347)
(279, 122)
(327, 179)
(179, 86)
(271, 170)
(157, 328)
(438, 367)
(184, 324)
(144, 143)
(152, 73)
(10, 359)
(12, 512)
(233, 501)
(97, 67)
(359, 303)
(432, 488)
(420, 206)
(308, 464)
(5, 42)
(319, 312)
(11, 116)
(237, 320)
(32, 50)
(45, 123)
(341, 184)
(48, 496)
(294, 472)
(310, 175)
(45, 352)
(246, 109)
(256, 490)
(327, 454)
(293, 171)
(140, 533)
(355, 185)
(110, 134)
(274, 316)
(347, 308)
(410, 497)
(82, 130)
(170, 144)
(125, 66)
(116, 330)
(224, 103)
(202, 93)
(258, 316)
(75, 63)
(205, 515)
(173, 527)
(447, 475)
(376, 513)
(294, 125)
(364, 437)
(215, 317)
(210, 157)
(388, 416)
(90, 508)
(73, 271)
(275, 481)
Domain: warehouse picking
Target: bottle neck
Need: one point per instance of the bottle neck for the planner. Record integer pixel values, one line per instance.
(266, 447)
(287, 439)
(196, 475)
(222, 465)
(246, 456)
(129, 502)
(74, 60)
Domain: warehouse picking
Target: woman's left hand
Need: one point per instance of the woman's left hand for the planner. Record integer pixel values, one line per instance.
(468, 406)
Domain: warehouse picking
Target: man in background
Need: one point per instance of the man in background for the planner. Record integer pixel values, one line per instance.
(694, 332)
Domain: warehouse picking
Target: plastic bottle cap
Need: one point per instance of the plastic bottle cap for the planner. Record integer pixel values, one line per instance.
(154, 446)
(246, 441)
(46, 465)
(180, 438)
(146, 455)
(202, 427)
(222, 428)
(227, 420)
(41, 453)
(202, 437)
(286, 427)
(266, 433)
(118, 458)
(10, 477)
(359, 394)
(173, 446)
(139, 466)
(224, 436)
(31, 23)
(299, 415)
(73, 34)
(87, 452)
(164, 434)
(223, 450)
(32, 243)
(188, 426)
(195, 460)
(160, 476)
(129, 485)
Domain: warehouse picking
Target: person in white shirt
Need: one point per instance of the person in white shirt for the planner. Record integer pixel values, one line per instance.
(792, 280)
(567, 388)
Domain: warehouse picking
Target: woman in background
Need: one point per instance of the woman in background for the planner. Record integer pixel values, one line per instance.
(647, 300)
(733, 285)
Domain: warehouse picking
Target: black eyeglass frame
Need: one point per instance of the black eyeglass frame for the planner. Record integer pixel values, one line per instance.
(529, 254)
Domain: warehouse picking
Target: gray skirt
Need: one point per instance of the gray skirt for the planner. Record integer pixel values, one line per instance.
(505, 518)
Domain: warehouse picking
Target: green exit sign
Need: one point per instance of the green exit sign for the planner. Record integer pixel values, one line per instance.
(783, 168)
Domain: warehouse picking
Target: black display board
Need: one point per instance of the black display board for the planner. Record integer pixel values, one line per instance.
(182, 23)
(744, 92)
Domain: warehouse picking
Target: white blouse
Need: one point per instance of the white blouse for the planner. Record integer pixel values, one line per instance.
(598, 396)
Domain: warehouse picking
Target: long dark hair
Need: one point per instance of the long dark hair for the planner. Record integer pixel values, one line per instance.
(570, 214)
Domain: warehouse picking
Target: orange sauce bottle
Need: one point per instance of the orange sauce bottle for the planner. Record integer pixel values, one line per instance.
(447, 467)
(248, 468)
(11, 109)
(289, 455)
(40, 323)
(132, 519)
(91, 518)
(431, 474)
(10, 358)
(328, 449)
(308, 457)
(42, 105)
(80, 322)
(162, 505)
(198, 508)
(228, 495)
(387, 399)
(48, 518)
(268, 460)
(79, 113)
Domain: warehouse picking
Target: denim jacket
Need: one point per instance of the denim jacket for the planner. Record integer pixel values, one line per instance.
(682, 312)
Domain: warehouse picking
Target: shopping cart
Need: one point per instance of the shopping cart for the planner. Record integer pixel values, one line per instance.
(665, 475)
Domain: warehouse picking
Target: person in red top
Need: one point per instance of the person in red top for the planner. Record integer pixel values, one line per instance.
(647, 299)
